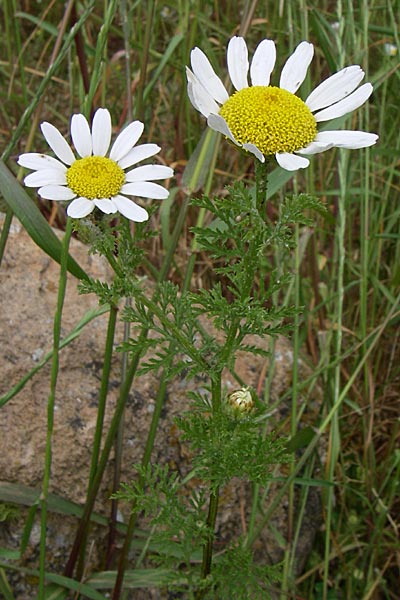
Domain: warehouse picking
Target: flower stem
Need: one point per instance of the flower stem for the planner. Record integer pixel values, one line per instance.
(5, 231)
(112, 319)
(214, 493)
(261, 172)
(208, 547)
(119, 442)
(119, 411)
(108, 443)
(51, 404)
(157, 412)
(145, 462)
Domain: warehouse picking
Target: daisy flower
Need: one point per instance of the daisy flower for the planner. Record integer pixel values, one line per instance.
(268, 120)
(96, 177)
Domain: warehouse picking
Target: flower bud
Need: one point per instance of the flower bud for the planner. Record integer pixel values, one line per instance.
(240, 401)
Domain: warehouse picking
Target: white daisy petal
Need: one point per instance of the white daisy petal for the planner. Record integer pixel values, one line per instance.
(149, 172)
(254, 150)
(45, 177)
(238, 62)
(315, 147)
(101, 132)
(199, 97)
(56, 192)
(335, 88)
(126, 140)
(191, 81)
(352, 140)
(34, 160)
(191, 96)
(353, 101)
(291, 162)
(57, 143)
(81, 137)
(130, 209)
(106, 205)
(205, 74)
(81, 207)
(295, 69)
(145, 189)
(263, 63)
(137, 154)
(218, 123)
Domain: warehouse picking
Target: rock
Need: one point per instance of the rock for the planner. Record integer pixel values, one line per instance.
(29, 283)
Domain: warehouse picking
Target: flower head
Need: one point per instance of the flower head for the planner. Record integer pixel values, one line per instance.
(268, 120)
(240, 402)
(96, 177)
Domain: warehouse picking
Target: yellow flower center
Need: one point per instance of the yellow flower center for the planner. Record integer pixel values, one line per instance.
(271, 118)
(95, 177)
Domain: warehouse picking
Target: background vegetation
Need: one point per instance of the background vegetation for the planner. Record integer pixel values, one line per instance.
(130, 57)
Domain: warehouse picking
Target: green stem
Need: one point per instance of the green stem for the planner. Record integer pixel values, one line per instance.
(214, 496)
(5, 231)
(139, 112)
(119, 443)
(98, 435)
(208, 547)
(119, 411)
(108, 443)
(145, 462)
(261, 172)
(261, 195)
(257, 486)
(108, 353)
(157, 412)
(293, 422)
(50, 405)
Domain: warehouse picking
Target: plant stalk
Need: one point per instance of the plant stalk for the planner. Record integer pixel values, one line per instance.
(51, 405)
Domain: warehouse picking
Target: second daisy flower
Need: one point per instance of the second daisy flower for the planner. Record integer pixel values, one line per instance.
(95, 179)
(267, 120)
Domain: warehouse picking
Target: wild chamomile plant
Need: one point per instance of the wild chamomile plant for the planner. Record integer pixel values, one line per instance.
(226, 432)
(101, 179)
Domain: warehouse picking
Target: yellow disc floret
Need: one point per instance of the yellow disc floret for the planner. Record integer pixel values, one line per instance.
(269, 117)
(95, 177)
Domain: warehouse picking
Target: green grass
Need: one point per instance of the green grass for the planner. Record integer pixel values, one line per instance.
(349, 272)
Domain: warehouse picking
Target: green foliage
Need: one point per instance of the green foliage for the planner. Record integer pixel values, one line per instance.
(8, 512)
(236, 575)
(178, 531)
(296, 209)
(227, 446)
(241, 249)
(176, 517)
(175, 329)
(115, 242)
